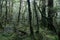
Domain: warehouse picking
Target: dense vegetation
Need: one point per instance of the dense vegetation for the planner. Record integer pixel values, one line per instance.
(29, 20)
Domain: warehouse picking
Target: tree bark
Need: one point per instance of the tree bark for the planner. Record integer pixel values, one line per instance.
(36, 14)
(30, 20)
(6, 13)
(50, 16)
(43, 13)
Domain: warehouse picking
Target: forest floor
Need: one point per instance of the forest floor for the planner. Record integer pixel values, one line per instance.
(46, 35)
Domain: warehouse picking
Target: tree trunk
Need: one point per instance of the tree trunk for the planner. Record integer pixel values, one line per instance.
(18, 22)
(36, 14)
(30, 20)
(43, 13)
(6, 13)
(50, 16)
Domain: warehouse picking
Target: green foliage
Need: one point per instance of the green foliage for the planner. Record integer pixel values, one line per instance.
(23, 24)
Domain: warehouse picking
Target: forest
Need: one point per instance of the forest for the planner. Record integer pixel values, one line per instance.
(29, 19)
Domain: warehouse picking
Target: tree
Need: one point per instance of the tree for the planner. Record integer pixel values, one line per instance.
(43, 15)
(30, 20)
(1, 3)
(36, 14)
(50, 16)
(6, 13)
